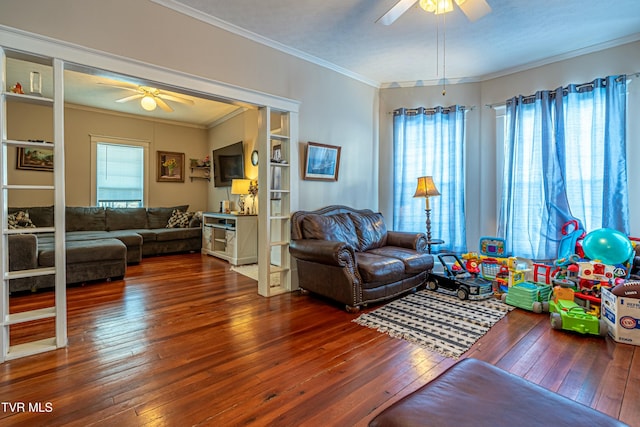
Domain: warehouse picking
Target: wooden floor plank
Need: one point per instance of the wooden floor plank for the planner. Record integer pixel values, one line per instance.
(182, 340)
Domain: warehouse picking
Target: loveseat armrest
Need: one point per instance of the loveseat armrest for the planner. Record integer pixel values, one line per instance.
(322, 251)
(407, 239)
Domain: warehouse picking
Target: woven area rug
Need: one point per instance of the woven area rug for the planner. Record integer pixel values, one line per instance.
(436, 321)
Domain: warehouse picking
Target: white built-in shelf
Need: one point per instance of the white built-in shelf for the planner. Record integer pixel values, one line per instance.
(30, 99)
(31, 348)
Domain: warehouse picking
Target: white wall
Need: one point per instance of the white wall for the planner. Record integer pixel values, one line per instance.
(335, 109)
(482, 188)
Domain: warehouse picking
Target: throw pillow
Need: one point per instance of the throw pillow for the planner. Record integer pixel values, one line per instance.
(19, 219)
(179, 219)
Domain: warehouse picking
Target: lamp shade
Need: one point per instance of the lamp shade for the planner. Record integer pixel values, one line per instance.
(426, 187)
(240, 186)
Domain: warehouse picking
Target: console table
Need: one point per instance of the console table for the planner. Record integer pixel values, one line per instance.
(233, 238)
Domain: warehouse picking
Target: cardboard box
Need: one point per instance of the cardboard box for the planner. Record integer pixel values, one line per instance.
(622, 315)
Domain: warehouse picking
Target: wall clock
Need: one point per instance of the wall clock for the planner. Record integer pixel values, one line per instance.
(254, 158)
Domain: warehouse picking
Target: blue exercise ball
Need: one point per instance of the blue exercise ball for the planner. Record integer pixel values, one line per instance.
(607, 245)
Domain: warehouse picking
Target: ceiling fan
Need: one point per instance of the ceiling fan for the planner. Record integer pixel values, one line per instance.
(473, 9)
(150, 97)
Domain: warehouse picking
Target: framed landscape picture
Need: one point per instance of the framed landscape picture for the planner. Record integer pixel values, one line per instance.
(170, 167)
(322, 162)
(35, 159)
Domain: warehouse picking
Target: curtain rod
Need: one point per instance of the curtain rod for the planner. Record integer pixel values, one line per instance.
(432, 110)
(503, 103)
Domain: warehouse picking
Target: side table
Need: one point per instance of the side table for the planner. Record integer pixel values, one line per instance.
(433, 242)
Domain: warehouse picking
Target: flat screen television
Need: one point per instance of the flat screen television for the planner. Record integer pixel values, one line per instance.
(228, 164)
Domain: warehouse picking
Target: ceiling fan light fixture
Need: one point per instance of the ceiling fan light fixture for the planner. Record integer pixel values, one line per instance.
(148, 103)
(437, 6)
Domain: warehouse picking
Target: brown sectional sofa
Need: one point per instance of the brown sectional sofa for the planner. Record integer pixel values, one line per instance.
(349, 256)
(100, 242)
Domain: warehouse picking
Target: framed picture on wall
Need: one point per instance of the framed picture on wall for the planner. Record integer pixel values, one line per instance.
(322, 162)
(170, 167)
(35, 159)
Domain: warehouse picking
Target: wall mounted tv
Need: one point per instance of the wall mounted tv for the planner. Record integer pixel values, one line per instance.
(228, 164)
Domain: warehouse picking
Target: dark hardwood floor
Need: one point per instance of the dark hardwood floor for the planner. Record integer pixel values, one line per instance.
(184, 341)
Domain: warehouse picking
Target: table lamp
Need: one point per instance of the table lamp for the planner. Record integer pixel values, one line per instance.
(426, 188)
(241, 188)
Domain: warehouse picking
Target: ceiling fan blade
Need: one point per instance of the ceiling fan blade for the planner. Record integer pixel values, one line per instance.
(396, 12)
(163, 105)
(175, 98)
(474, 9)
(130, 98)
(133, 89)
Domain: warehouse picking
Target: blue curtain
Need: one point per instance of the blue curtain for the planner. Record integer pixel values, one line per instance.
(564, 159)
(430, 142)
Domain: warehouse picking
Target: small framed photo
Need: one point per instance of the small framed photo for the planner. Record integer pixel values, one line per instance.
(35, 159)
(322, 162)
(170, 167)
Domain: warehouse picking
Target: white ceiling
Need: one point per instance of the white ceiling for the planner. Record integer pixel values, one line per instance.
(518, 34)
(93, 88)
(342, 35)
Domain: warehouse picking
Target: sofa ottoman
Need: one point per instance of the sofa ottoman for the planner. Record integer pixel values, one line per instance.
(475, 393)
(87, 260)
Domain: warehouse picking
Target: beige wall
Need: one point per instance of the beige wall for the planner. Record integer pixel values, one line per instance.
(79, 125)
(242, 127)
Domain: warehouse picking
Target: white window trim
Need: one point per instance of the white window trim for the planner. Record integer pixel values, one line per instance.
(96, 139)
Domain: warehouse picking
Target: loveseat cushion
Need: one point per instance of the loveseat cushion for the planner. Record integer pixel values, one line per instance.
(126, 218)
(85, 218)
(376, 269)
(414, 262)
(338, 228)
(159, 217)
(370, 229)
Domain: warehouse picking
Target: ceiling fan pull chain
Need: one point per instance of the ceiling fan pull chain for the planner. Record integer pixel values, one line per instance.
(444, 54)
(437, 46)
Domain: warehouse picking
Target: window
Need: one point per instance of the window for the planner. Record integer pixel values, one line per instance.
(120, 173)
(430, 142)
(564, 158)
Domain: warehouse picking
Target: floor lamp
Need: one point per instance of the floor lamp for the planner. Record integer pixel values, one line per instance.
(426, 188)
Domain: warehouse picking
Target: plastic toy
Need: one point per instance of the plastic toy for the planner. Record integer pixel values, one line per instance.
(493, 247)
(572, 231)
(607, 246)
(565, 314)
(529, 296)
(459, 282)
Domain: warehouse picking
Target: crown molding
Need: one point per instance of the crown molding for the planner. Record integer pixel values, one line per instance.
(513, 70)
(227, 26)
(77, 55)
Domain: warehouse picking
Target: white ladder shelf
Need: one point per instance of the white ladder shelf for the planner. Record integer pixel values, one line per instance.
(57, 311)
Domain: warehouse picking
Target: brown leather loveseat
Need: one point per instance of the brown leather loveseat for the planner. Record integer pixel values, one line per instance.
(349, 256)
